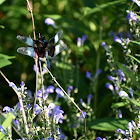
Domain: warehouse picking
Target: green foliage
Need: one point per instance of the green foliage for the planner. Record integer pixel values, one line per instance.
(108, 124)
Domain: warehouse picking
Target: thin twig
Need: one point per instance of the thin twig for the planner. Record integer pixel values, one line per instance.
(36, 58)
(42, 92)
(21, 104)
(54, 79)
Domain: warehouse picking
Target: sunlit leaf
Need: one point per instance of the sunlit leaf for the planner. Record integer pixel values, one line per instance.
(108, 124)
(4, 62)
(1, 26)
(6, 123)
(2, 1)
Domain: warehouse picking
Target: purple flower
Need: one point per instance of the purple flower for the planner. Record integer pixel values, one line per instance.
(49, 21)
(111, 34)
(85, 114)
(70, 88)
(121, 74)
(39, 94)
(50, 89)
(127, 41)
(99, 138)
(116, 88)
(111, 78)
(22, 86)
(7, 109)
(121, 131)
(84, 37)
(117, 39)
(104, 45)
(29, 94)
(123, 94)
(79, 42)
(58, 114)
(51, 106)
(59, 92)
(131, 15)
(37, 109)
(97, 73)
(131, 91)
(119, 113)
(137, 2)
(11, 84)
(34, 68)
(2, 130)
(109, 86)
(129, 35)
(88, 74)
(89, 98)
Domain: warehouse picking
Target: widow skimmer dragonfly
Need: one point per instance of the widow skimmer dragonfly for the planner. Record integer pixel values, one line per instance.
(41, 46)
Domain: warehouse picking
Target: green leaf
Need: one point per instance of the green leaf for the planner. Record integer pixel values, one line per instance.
(120, 104)
(6, 56)
(128, 73)
(4, 62)
(108, 124)
(135, 42)
(133, 58)
(89, 11)
(135, 102)
(1, 26)
(2, 1)
(6, 123)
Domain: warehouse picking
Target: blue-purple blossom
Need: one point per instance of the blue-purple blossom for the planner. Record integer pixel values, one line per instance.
(121, 131)
(123, 94)
(117, 39)
(131, 15)
(119, 113)
(49, 21)
(131, 125)
(82, 103)
(70, 88)
(111, 34)
(58, 114)
(88, 74)
(22, 85)
(127, 41)
(97, 73)
(2, 130)
(18, 106)
(111, 78)
(116, 88)
(84, 37)
(59, 92)
(8, 109)
(11, 84)
(121, 75)
(50, 89)
(79, 42)
(129, 35)
(110, 86)
(29, 94)
(37, 109)
(89, 98)
(131, 91)
(51, 106)
(137, 2)
(34, 68)
(85, 114)
(99, 138)
(105, 46)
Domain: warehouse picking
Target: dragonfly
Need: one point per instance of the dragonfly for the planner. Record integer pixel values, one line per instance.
(41, 46)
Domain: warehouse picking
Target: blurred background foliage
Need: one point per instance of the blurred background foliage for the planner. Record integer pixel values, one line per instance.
(76, 18)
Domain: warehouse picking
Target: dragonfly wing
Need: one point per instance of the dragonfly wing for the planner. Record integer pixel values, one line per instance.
(55, 39)
(59, 48)
(26, 51)
(26, 40)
